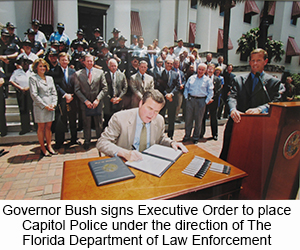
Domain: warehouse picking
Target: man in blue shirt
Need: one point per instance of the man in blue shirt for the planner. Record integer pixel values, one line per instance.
(59, 35)
(198, 93)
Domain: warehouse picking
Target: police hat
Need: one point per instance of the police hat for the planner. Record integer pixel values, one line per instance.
(115, 30)
(122, 38)
(179, 40)
(54, 43)
(29, 31)
(4, 32)
(60, 25)
(80, 32)
(100, 39)
(104, 46)
(97, 30)
(35, 22)
(23, 58)
(53, 52)
(27, 42)
(10, 25)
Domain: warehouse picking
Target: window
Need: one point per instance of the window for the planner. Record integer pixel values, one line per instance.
(194, 4)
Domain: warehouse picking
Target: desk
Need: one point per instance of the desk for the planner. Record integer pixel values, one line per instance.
(78, 182)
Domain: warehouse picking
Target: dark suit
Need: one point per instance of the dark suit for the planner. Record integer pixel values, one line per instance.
(169, 84)
(3, 127)
(85, 90)
(66, 111)
(228, 78)
(212, 109)
(116, 88)
(242, 98)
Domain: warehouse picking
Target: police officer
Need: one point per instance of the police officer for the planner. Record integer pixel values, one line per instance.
(121, 54)
(13, 38)
(37, 47)
(113, 42)
(94, 40)
(80, 38)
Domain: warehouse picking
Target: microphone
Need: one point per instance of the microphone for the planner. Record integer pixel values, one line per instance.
(257, 74)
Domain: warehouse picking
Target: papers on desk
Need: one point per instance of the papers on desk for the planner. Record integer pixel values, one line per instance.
(157, 159)
(199, 166)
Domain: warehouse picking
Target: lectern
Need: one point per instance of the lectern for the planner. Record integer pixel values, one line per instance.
(266, 146)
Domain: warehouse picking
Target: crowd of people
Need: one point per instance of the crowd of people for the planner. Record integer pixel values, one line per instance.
(81, 84)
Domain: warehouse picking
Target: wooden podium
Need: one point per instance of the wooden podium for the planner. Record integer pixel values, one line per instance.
(266, 146)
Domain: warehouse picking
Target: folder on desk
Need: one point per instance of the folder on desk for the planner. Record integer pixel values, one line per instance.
(157, 159)
(109, 170)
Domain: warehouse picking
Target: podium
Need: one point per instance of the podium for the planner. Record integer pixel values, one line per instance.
(267, 146)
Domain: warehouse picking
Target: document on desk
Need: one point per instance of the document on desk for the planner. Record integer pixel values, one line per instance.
(157, 159)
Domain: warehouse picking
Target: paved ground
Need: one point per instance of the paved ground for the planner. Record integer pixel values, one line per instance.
(24, 175)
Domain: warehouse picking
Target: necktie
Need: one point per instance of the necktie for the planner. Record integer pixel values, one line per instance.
(143, 138)
(90, 77)
(143, 78)
(66, 76)
(254, 83)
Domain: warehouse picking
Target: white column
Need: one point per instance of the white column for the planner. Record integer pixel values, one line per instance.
(66, 11)
(203, 34)
(8, 13)
(119, 17)
(183, 20)
(166, 23)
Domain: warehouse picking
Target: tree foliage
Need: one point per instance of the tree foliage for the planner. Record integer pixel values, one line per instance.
(249, 41)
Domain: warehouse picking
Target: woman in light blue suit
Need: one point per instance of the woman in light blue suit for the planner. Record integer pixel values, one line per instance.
(44, 96)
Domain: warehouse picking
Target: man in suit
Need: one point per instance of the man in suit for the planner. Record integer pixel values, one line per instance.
(228, 78)
(213, 106)
(117, 88)
(133, 130)
(250, 94)
(157, 71)
(63, 77)
(169, 87)
(182, 82)
(90, 87)
(139, 83)
(209, 57)
(151, 57)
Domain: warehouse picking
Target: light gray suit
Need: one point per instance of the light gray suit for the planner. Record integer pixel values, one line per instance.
(42, 93)
(121, 131)
(85, 90)
(139, 87)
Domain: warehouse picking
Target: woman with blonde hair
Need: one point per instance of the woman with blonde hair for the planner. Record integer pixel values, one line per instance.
(44, 96)
(198, 59)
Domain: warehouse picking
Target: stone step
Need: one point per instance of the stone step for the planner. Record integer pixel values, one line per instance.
(14, 129)
(12, 108)
(11, 101)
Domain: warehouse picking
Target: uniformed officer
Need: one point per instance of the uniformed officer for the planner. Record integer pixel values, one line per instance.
(113, 42)
(80, 38)
(121, 54)
(37, 47)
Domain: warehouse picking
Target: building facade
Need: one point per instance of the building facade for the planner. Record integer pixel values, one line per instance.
(166, 20)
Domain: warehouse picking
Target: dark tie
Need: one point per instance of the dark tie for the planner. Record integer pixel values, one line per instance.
(66, 76)
(143, 138)
(254, 83)
(143, 78)
(90, 77)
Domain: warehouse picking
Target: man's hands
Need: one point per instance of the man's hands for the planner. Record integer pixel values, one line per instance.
(69, 97)
(130, 155)
(92, 105)
(177, 145)
(236, 115)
